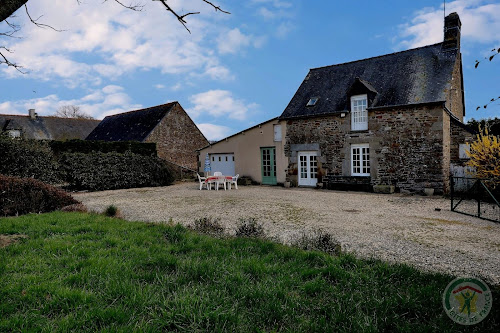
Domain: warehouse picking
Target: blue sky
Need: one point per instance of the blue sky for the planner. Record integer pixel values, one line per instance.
(232, 71)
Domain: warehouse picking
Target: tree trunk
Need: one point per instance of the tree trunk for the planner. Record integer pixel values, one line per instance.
(8, 7)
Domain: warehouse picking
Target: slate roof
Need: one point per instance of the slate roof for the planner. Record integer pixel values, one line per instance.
(415, 76)
(130, 126)
(48, 128)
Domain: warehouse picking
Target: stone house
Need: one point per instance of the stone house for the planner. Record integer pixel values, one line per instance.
(37, 127)
(395, 119)
(257, 152)
(176, 136)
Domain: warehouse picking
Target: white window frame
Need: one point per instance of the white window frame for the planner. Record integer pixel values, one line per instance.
(363, 150)
(463, 148)
(277, 132)
(359, 114)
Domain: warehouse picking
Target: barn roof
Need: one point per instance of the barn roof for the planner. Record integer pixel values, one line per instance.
(130, 126)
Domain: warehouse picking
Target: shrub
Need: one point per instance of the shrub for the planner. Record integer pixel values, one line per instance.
(75, 208)
(318, 241)
(20, 196)
(27, 159)
(109, 171)
(87, 147)
(485, 157)
(209, 226)
(112, 211)
(249, 227)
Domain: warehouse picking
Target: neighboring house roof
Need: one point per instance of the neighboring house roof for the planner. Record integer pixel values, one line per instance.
(130, 126)
(235, 134)
(48, 128)
(415, 76)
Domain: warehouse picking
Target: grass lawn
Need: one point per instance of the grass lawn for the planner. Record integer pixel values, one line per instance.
(87, 272)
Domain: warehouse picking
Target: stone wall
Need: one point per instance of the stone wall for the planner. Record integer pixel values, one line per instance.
(454, 93)
(459, 134)
(177, 138)
(406, 145)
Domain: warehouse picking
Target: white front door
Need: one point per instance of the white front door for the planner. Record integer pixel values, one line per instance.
(223, 163)
(308, 168)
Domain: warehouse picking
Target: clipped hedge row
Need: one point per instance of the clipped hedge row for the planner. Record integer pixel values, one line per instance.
(86, 147)
(27, 159)
(109, 171)
(20, 196)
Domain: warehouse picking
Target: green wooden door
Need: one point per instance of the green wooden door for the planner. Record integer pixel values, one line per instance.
(268, 165)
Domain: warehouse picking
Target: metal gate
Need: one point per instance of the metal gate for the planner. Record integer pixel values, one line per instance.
(471, 196)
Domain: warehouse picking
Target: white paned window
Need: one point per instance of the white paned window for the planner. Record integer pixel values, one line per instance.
(277, 132)
(360, 160)
(463, 148)
(359, 115)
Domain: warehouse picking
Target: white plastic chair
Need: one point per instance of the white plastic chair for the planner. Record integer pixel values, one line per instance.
(221, 180)
(234, 181)
(217, 174)
(202, 181)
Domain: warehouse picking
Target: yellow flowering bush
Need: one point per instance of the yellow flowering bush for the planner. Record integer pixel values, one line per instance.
(485, 157)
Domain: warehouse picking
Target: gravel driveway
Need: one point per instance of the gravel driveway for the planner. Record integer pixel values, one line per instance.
(395, 228)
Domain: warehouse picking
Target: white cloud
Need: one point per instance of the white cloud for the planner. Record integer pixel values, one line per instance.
(275, 3)
(214, 132)
(159, 86)
(480, 23)
(219, 73)
(105, 40)
(98, 103)
(284, 29)
(233, 41)
(220, 103)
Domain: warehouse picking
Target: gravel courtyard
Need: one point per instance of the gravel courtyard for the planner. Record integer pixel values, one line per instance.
(395, 228)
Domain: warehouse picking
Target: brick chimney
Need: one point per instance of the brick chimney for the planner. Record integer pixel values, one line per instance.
(452, 26)
(32, 114)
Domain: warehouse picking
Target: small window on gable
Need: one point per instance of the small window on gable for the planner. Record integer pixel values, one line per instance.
(312, 101)
(277, 132)
(463, 148)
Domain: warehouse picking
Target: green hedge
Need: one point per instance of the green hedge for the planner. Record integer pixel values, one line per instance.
(109, 171)
(86, 147)
(20, 196)
(27, 159)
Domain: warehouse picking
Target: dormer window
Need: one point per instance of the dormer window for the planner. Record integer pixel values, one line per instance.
(312, 101)
(359, 115)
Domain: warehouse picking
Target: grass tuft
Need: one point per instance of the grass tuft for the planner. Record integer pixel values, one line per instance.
(249, 227)
(209, 226)
(318, 240)
(111, 211)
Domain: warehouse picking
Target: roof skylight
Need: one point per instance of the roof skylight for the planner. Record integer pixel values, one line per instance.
(312, 101)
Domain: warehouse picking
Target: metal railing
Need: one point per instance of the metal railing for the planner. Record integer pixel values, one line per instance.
(471, 196)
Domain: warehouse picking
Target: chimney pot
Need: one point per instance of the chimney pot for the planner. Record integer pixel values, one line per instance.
(32, 114)
(452, 26)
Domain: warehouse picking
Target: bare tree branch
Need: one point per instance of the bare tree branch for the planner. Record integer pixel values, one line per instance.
(217, 8)
(495, 52)
(7, 62)
(72, 111)
(180, 18)
(35, 21)
(135, 7)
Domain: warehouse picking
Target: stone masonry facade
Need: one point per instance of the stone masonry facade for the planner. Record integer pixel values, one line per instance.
(406, 146)
(177, 138)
